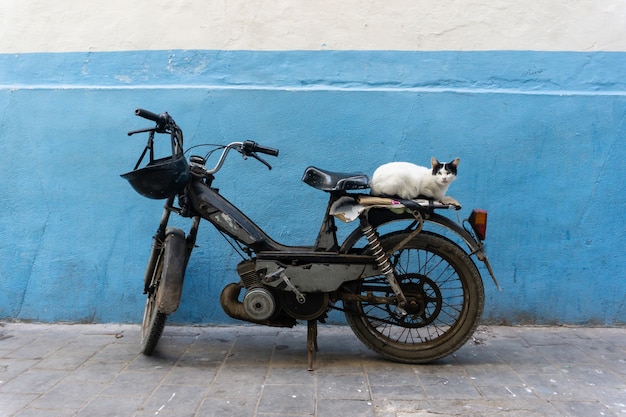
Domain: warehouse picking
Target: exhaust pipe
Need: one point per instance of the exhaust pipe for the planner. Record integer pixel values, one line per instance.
(229, 299)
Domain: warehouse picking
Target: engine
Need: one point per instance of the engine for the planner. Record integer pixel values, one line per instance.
(273, 306)
(258, 301)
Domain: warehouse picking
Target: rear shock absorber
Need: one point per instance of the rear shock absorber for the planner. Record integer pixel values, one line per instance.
(382, 260)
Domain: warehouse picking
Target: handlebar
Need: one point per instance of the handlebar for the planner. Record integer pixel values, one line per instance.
(246, 149)
(249, 147)
(147, 115)
(164, 122)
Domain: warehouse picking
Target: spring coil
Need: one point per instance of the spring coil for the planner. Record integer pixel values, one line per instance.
(377, 250)
(382, 260)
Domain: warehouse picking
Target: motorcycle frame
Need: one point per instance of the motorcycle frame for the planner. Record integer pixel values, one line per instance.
(201, 201)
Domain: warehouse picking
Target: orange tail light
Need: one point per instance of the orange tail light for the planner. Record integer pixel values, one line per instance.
(478, 220)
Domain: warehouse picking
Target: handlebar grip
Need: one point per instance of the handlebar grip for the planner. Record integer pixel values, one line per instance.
(264, 149)
(147, 115)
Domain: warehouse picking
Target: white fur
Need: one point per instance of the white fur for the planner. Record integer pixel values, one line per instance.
(407, 180)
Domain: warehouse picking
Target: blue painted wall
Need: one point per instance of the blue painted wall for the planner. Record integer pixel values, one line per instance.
(540, 136)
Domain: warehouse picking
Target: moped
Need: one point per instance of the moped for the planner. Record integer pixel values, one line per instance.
(412, 294)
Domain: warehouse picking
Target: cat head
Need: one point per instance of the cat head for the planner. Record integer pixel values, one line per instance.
(445, 171)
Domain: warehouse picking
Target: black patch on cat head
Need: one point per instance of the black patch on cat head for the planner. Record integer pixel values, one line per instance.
(448, 166)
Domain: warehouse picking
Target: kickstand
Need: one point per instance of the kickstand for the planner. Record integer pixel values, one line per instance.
(311, 342)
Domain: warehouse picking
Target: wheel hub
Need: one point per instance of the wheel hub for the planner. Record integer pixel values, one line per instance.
(424, 300)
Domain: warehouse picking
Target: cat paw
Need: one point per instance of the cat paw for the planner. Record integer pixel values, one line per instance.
(451, 202)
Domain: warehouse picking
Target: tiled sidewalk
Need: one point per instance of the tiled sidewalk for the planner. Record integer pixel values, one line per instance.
(96, 370)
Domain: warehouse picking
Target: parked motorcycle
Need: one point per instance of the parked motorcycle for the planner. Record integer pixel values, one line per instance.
(411, 294)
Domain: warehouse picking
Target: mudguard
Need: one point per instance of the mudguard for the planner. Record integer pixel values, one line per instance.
(377, 217)
(380, 216)
(174, 262)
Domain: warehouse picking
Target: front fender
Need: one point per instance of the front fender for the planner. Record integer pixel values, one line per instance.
(174, 261)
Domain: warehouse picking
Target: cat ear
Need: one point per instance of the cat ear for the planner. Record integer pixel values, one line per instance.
(434, 162)
(456, 162)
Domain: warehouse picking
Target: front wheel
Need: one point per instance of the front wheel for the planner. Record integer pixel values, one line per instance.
(445, 299)
(153, 320)
(164, 289)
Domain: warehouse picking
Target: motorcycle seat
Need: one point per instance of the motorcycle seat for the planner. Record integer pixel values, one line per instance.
(335, 181)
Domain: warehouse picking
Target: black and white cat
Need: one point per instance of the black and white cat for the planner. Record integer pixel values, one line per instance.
(408, 181)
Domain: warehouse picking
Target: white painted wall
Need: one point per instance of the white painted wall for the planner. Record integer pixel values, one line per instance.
(119, 25)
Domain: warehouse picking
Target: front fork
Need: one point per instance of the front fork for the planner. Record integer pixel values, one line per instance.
(157, 244)
(384, 264)
(159, 237)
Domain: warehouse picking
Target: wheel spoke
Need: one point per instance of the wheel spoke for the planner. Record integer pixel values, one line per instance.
(435, 278)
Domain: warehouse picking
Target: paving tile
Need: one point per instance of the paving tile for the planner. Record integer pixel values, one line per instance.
(397, 392)
(10, 343)
(287, 399)
(152, 363)
(564, 354)
(40, 348)
(112, 406)
(10, 368)
(174, 400)
(137, 384)
(344, 407)
(613, 336)
(493, 375)
(453, 387)
(33, 381)
(394, 408)
(593, 375)
(439, 369)
(68, 396)
(475, 354)
(117, 352)
(507, 392)
(241, 382)
(190, 375)
(39, 412)
(342, 386)
(96, 371)
(522, 358)
(204, 360)
(557, 387)
(290, 374)
(582, 409)
(64, 359)
(11, 403)
(614, 398)
(387, 373)
(222, 407)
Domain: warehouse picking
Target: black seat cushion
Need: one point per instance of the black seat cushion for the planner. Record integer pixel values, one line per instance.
(335, 181)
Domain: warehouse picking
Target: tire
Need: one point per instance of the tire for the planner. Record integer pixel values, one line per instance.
(153, 320)
(445, 301)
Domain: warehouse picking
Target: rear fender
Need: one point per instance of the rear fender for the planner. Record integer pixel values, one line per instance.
(174, 262)
(379, 217)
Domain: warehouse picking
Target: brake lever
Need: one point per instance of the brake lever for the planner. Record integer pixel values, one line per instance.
(150, 129)
(245, 153)
(263, 161)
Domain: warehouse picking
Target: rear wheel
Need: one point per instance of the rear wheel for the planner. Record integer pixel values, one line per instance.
(445, 299)
(153, 320)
